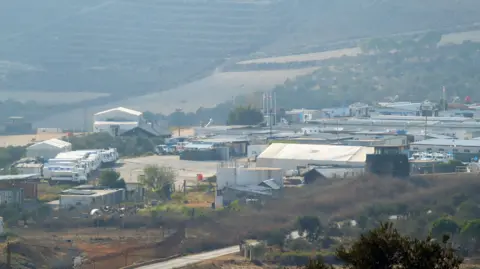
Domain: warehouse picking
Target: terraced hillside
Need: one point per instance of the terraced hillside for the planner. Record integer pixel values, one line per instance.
(123, 46)
(114, 50)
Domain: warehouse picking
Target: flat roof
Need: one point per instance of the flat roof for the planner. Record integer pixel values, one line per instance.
(19, 177)
(77, 192)
(449, 142)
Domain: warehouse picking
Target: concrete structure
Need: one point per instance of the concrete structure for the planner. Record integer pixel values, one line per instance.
(29, 168)
(91, 198)
(123, 121)
(11, 196)
(48, 149)
(229, 174)
(447, 145)
(28, 183)
(290, 156)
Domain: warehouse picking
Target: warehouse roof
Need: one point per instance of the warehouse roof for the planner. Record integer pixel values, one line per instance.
(54, 142)
(449, 142)
(121, 109)
(19, 177)
(336, 153)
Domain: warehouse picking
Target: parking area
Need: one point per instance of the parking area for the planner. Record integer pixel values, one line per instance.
(130, 169)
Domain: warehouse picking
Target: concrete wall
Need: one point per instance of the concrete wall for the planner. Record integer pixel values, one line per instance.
(229, 176)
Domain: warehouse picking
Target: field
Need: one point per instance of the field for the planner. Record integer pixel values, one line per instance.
(102, 247)
(50, 98)
(206, 92)
(22, 140)
(319, 56)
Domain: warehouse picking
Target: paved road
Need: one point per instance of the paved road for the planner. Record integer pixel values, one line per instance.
(192, 259)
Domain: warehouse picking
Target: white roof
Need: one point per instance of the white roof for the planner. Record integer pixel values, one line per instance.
(311, 152)
(54, 142)
(122, 109)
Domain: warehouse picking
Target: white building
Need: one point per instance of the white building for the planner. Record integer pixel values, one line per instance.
(123, 121)
(91, 198)
(48, 149)
(290, 156)
(447, 145)
(232, 175)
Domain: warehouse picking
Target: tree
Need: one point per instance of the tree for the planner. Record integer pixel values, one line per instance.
(276, 238)
(443, 226)
(111, 179)
(244, 116)
(362, 222)
(158, 180)
(384, 247)
(311, 226)
(471, 233)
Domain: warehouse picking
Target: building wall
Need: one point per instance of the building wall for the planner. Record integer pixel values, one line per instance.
(91, 201)
(11, 196)
(30, 189)
(229, 176)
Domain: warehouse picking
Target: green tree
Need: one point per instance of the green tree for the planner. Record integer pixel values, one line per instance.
(244, 116)
(384, 247)
(158, 180)
(111, 179)
(470, 233)
(276, 238)
(442, 226)
(310, 226)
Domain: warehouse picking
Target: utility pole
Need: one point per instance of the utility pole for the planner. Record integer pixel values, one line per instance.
(9, 256)
(184, 187)
(126, 257)
(426, 122)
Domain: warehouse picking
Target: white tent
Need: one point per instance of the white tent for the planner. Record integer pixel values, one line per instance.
(48, 149)
(289, 156)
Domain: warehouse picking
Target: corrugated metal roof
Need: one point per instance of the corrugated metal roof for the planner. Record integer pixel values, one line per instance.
(449, 142)
(116, 123)
(271, 183)
(311, 152)
(52, 142)
(121, 109)
(19, 177)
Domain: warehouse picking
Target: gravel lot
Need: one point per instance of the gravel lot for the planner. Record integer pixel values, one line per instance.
(130, 169)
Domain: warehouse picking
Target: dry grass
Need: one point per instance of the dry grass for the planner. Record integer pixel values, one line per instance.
(23, 140)
(318, 56)
(331, 200)
(50, 98)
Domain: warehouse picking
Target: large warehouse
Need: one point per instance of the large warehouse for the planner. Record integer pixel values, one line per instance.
(123, 121)
(48, 149)
(289, 156)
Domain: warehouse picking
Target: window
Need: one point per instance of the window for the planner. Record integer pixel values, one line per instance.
(441, 150)
(466, 151)
(415, 148)
(429, 149)
(455, 150)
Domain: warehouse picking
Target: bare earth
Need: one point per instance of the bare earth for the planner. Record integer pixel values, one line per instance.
(186, 170)
(50, 98)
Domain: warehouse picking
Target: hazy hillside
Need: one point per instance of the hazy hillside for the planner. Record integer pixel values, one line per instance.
(126, 48)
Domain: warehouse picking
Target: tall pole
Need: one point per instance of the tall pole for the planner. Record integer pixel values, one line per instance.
(426, 122)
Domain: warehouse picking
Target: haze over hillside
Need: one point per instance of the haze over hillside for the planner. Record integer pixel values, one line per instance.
(125, 48)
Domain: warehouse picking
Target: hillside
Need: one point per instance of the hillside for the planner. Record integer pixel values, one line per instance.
(338, 200)
(115, 49)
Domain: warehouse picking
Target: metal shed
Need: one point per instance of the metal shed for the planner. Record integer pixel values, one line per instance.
(48, 149)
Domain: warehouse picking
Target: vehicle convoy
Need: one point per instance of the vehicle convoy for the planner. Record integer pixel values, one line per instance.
(77, 166)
